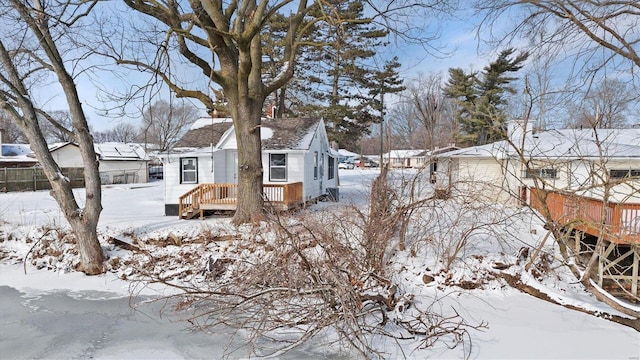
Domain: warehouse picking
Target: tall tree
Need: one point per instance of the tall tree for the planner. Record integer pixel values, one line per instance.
(611, 104)
(11, 131)
(29, 54)
(482, 97)
(122, 132)
(164, 122)
(383, 82)
(430, 109)
(461, 88)
(223, 41)
(339, 69)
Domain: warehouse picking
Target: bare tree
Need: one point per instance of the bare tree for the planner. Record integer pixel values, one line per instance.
(125, 132)
(599, 32)
(611, 104)
(164, 122)
(11, 131)
(60, 129)
(408, 132)
(222, 40)
(29, 54)
(431, 110)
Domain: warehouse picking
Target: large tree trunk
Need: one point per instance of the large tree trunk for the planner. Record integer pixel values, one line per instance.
(250, 207)
(85, 224)
(248, 98)
(83, 221)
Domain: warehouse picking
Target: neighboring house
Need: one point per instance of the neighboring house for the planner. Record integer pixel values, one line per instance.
(433, 157)
(201, 173)
(563, 160)
(405, 158)
(345, 155)
(16, 156)
(119, 163)
(586, 180)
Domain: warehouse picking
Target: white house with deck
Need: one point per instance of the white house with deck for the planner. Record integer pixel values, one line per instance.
(201, 173)
(585, 180)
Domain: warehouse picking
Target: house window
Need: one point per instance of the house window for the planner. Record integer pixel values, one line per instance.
(315, 165)
(277, 167)
(332, 167)
(541, 173)
(189, 170)
(620, 174)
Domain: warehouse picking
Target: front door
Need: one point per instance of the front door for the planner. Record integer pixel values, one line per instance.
(232, 167)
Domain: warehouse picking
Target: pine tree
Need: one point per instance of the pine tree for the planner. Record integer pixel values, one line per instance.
(481, 98)
(336, 71)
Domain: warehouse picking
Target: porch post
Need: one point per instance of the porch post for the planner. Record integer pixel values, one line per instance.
(634, 274)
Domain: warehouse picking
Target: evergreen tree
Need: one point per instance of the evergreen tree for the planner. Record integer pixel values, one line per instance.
(481, 98)
(336, 71)
(461, 88)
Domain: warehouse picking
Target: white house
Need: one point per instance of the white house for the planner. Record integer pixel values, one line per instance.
(586, 180)
(295, 155)
(576, 160)
(405, 158)
(119, 163)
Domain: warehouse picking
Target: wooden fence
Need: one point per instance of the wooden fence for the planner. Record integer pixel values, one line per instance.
(33, 178)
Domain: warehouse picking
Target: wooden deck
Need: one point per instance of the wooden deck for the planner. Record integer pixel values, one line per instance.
(618, 222)
(223, 197)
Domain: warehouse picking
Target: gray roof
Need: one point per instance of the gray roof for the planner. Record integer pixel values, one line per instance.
(277, 134)
(204, 132)
(289, 133)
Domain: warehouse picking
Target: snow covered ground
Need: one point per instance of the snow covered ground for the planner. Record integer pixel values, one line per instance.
(64, 314)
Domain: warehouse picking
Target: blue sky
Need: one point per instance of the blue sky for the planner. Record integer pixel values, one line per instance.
(457, 40)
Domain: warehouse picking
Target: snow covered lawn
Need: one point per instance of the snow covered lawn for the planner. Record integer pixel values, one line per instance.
(519, 326)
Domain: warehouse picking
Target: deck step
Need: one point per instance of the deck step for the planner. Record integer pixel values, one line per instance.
(191, 214)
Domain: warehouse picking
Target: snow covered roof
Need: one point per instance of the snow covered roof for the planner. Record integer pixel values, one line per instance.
(566, 143)
(347, 153)
(111, 151)
(403, 154)
(289, 133)
(204, 132)
(120, 152)
(16, 150)
(276, 134)
(17, 154)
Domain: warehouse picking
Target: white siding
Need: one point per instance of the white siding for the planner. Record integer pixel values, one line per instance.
(68, 156)
(300, 168)
(482, 179)
(123, 172)
(173, 189)
(111, 171)
(228, 167)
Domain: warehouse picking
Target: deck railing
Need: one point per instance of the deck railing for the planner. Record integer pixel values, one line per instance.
(621, 221)
(225, 196)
